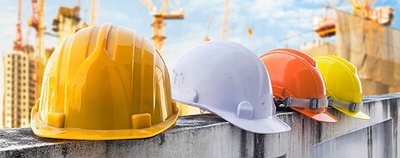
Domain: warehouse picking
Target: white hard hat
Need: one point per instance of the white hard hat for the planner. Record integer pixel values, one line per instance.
(230, 81)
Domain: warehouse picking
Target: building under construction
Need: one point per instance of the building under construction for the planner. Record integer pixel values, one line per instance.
(23, 69)
(370, 46)
(66, 22)
(19, 89)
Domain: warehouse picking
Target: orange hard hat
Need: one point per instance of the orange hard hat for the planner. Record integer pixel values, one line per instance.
(297, 83)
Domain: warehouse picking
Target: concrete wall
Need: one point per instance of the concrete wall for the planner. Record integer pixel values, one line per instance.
(210, 136)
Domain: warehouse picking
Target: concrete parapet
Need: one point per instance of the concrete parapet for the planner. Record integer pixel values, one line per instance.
(210, 136)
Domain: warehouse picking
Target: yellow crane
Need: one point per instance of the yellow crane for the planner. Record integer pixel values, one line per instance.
(226, 19)
(250, 34)
(225, 23)
(362, 8)
(206, 38)
(18, 41)
(325, 27)
(37, 22)
(380, 15)
(158, 20)
(93, 16)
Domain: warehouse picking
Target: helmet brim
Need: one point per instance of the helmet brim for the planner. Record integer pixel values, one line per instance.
(356, 114)
(43, 130)
(268, 125)
(186, 110)
(322, 116)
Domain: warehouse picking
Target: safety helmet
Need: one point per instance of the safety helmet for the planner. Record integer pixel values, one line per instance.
(104, 83)
(297, 83)
(227, 79)
(186, 110)
(342, 85)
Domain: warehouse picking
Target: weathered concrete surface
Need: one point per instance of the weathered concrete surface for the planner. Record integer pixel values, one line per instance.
(211, 136)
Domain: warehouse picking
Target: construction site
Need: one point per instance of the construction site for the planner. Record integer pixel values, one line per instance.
(49, 41)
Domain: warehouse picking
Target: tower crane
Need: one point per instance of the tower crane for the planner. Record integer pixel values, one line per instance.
(93, 14)
(250, 31)
(226, 19)
(362, 8)
(206, 38)
(158, 20)
(250, 34)
(37, 22)
(325, 27)
(18, 41)
(225, 22)
(380, 15)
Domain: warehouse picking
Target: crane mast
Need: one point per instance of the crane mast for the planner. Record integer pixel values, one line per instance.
(158, 23)
(37, 22)
(18, 41)
(226, 19)
(93, 12)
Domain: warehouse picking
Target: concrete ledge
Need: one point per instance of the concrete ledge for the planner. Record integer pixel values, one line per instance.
(211, 136)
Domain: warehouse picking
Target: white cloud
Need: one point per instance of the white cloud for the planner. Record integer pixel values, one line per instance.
(177, 46)
(244, 13)
(265, 17)
(203, 7)
(116, 16)
(266, 9)
(314, 1)
(284, 14)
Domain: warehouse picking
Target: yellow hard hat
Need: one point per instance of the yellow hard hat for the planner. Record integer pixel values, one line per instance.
(104, 83)
(342, 85)
(186, 110)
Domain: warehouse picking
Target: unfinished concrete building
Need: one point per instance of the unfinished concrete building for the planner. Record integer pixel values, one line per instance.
(66, 22)
(371, 47)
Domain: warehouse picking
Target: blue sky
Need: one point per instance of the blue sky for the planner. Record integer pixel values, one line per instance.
(271, 20)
